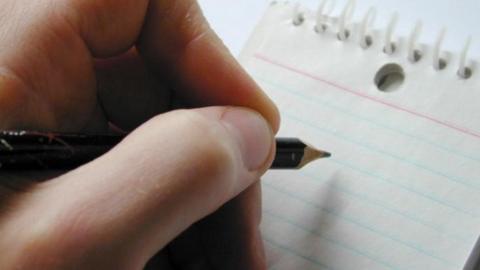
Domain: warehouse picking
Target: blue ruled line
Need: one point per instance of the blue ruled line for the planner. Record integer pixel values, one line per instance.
(337, 243)
(444, 148)
(316, 101)
(337, 135)
(291, 251)
(378, 203)
(357, 223)
(405, 187)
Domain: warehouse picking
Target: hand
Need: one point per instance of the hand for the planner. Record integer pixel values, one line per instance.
(80, 65)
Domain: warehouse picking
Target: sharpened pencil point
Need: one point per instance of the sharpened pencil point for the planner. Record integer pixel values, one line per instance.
(312, 154)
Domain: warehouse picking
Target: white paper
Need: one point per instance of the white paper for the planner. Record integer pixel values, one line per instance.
(402, 190)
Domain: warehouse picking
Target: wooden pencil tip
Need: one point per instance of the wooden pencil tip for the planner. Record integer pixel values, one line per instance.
(312, 154)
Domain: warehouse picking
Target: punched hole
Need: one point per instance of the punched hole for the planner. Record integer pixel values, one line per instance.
(417, 56)
(389, 78)
(390, 49)
(343, 36)
(465, 73)
(320, 29)
(299, 19)
(442, 64)
(368, 42)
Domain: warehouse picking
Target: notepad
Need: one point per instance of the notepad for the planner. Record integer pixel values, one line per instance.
(402, 119)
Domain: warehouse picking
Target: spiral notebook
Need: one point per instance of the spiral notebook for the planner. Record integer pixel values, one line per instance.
(402, 119)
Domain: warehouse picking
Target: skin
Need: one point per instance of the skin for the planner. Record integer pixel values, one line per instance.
(83, 65)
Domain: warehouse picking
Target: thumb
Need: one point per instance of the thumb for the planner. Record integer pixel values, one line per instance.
(119, 210)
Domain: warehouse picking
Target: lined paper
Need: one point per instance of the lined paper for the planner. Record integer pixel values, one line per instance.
(402, 189)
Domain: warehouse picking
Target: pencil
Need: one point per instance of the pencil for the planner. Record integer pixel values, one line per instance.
(30, 151)
(473, 262)
(292, 153)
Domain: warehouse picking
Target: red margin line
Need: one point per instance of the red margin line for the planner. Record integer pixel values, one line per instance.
(365, 96)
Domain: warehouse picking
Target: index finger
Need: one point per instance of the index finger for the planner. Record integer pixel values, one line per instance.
(177, 41)
(48, 48)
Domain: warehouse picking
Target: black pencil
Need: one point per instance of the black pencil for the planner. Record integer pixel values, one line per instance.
(473, 261)
(29, 150)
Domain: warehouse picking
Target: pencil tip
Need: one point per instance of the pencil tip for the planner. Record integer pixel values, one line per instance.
(312, 154)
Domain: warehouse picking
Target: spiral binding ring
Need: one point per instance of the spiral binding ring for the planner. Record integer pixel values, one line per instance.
(366, 40)
(321, 25)
(298, 15)
(465, 72)
(346, 15)
(390, 46)
(368, 21)
(414, 55)
(438, 62)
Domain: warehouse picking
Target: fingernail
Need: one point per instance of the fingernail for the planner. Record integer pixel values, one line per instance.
(253, 135)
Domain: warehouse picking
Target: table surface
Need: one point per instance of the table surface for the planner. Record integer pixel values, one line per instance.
(234, 20)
